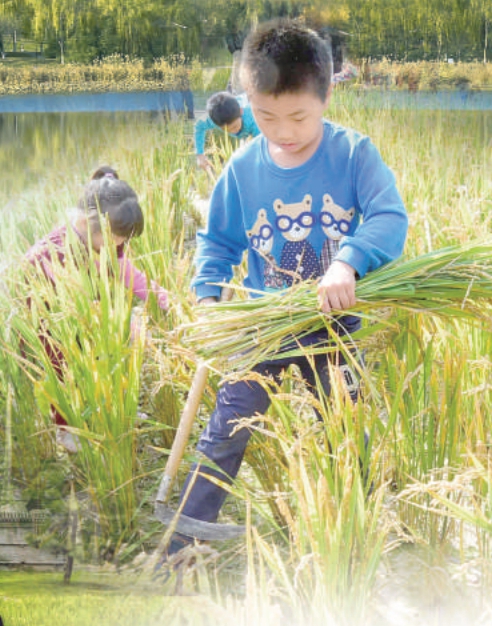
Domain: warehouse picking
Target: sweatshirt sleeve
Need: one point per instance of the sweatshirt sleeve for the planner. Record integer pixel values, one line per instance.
(138, 282)
(381, 234)
(44, 263)
(221, 244)
(200, 131)
(249, 123)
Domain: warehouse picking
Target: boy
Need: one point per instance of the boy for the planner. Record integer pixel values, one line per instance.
(232, 114)
(307, 199)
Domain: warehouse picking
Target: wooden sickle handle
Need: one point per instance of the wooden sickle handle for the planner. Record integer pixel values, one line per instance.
(184, 429)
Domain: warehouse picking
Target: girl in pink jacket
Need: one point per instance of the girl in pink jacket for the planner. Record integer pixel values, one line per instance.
(105, 195)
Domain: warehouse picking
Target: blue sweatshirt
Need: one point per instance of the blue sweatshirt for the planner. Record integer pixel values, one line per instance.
(342, 204)
(248, 128)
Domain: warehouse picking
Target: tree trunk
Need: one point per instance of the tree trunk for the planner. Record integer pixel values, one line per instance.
(486, 40)
(71, 536)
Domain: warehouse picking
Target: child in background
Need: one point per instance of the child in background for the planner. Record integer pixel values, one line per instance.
(348, 72)
(232, 114)
(104, 196)
(307, 200)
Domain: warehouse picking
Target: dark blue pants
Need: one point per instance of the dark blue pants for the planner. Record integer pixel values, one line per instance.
(247, 399)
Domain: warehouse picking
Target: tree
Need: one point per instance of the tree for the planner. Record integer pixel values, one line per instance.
(9, 27)
(483, 11)
(83, 30)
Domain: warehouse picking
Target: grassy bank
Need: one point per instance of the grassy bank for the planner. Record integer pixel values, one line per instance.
(92, 598)
(428, 75)
(117, 73)
(114, 73)
(319, 549)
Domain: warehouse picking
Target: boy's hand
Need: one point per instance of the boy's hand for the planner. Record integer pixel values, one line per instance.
(203, 162)
(226, 294)
(207, 301)
(336, 290)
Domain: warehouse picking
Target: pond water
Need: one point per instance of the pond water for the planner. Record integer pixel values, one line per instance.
(187, 102)
(456, 100)
(174, 101)
(33, 145)
(40, 132)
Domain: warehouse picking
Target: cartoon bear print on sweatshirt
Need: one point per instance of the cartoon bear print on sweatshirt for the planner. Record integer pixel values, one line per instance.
(335, 221)
(295, 221)
(261, 238)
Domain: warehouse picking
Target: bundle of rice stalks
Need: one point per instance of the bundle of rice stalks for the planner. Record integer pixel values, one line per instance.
(453, 282)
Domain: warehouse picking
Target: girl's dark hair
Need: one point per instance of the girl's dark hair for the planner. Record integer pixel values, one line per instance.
(104, 170)
(223, 108)
(106, 194)
(283, 56)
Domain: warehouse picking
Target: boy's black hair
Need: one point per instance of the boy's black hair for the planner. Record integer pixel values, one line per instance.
(105, 194)
(283, 56)
(223, 108)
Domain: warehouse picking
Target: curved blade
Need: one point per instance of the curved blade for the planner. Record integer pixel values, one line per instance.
(206, 531)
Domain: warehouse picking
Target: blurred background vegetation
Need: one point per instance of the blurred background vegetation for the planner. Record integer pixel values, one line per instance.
(85, 30)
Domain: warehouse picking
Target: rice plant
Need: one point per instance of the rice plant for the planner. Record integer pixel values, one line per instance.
(319, 547)
(330, 534)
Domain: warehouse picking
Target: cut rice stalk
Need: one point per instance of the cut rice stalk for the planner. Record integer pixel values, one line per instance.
(453, 282)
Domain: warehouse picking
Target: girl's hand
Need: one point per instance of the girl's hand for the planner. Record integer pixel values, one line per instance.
(162, 298)
(336, 290)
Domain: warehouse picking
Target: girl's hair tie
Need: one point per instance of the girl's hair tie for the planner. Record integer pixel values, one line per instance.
(108, 175)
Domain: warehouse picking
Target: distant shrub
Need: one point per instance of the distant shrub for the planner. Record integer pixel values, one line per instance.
(429, 75)
(219, 79)
(122, 73)
(196, 76)
(115, 73)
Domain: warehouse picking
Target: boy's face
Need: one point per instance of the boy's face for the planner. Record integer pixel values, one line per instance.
(235, 126)
(291, 122)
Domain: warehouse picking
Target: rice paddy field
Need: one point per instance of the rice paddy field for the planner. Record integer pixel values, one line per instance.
(407, 541)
